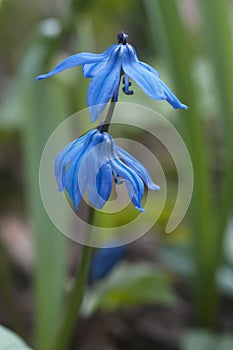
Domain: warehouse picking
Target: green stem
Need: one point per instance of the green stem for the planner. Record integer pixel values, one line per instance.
(107, 121)
(76, 296)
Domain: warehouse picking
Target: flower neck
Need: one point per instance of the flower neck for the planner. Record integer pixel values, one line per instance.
(104, 125)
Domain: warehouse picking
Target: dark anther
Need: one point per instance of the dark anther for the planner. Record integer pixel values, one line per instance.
(117, 181)
(122, 38)
(127, 91)
(126, 86)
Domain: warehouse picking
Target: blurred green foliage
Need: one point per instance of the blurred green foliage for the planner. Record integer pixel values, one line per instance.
(203, 340)
(130, 284)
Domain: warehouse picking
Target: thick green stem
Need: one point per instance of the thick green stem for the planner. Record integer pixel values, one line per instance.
(76, 296)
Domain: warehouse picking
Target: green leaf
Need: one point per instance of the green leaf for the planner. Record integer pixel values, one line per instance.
(204, 340)
(179, 46)
(10, 341)
(130, 285)
(225, 280)
(45, 108)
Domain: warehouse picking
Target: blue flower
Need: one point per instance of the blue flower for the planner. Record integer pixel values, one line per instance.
(91, 162)
(104, 260)
(105, 71)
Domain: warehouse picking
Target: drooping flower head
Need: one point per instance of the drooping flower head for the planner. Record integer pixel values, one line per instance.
(105, 71)
(91, 163)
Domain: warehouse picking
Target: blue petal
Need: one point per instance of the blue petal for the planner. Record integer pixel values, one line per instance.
(133, 182)
(104, 181)
(64, 157)
(99, 185)
(76, 183)
(138, 168)
(149, 68)
(147, 79)
(98, 174)
(59, 166)
(72, 184)
(171, 98)
(76, 60)
(104, 84)
(143, 64)
(90, 70)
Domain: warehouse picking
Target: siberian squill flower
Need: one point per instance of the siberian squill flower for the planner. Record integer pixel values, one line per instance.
(91, 163)
(105, 71)
(104, 260)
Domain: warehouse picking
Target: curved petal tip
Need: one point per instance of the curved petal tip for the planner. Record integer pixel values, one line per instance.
(154, 187)
(184, 107)
(140, 208)
(40, 77)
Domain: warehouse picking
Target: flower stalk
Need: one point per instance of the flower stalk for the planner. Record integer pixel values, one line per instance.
(106, 124)
(75, 298)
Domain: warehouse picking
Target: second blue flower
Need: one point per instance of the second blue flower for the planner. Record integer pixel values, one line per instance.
(91, 163)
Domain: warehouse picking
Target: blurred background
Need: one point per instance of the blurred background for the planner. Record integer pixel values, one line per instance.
(163, 291)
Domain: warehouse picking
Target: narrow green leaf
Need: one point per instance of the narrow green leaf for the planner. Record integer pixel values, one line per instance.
(45, 107)
(218, 34)
(178, 46)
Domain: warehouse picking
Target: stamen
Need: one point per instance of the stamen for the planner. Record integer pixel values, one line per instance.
(117, 181)
(126, 86)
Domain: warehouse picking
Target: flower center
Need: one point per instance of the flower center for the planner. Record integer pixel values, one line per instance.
(122, 38)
